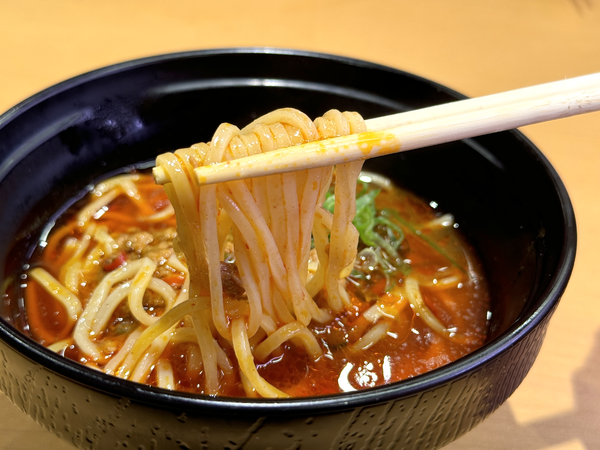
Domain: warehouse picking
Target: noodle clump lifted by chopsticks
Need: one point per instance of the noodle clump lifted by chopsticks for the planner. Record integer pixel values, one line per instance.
(267, 225)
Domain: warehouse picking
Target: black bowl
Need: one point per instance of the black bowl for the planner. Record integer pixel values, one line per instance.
(504, 193)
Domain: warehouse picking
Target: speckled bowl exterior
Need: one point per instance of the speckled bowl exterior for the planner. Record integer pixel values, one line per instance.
(505, 195)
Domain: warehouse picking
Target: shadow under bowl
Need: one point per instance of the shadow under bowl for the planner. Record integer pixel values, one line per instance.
(507, 198)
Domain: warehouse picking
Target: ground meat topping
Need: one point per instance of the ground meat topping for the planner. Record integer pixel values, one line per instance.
(232, 283)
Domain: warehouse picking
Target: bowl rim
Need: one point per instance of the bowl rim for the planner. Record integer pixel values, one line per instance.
(170, 400)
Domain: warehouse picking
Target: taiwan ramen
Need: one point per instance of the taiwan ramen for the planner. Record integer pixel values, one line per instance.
(313, 282)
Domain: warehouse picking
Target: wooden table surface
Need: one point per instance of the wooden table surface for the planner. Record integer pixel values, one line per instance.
(473, 46)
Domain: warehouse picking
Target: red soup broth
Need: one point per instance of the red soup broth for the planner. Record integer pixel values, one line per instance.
(432, 252)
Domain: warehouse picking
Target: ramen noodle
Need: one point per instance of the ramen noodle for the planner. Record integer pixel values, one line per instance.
(313, 282)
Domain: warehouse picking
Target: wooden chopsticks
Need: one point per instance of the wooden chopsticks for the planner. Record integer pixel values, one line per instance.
(419, 128)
